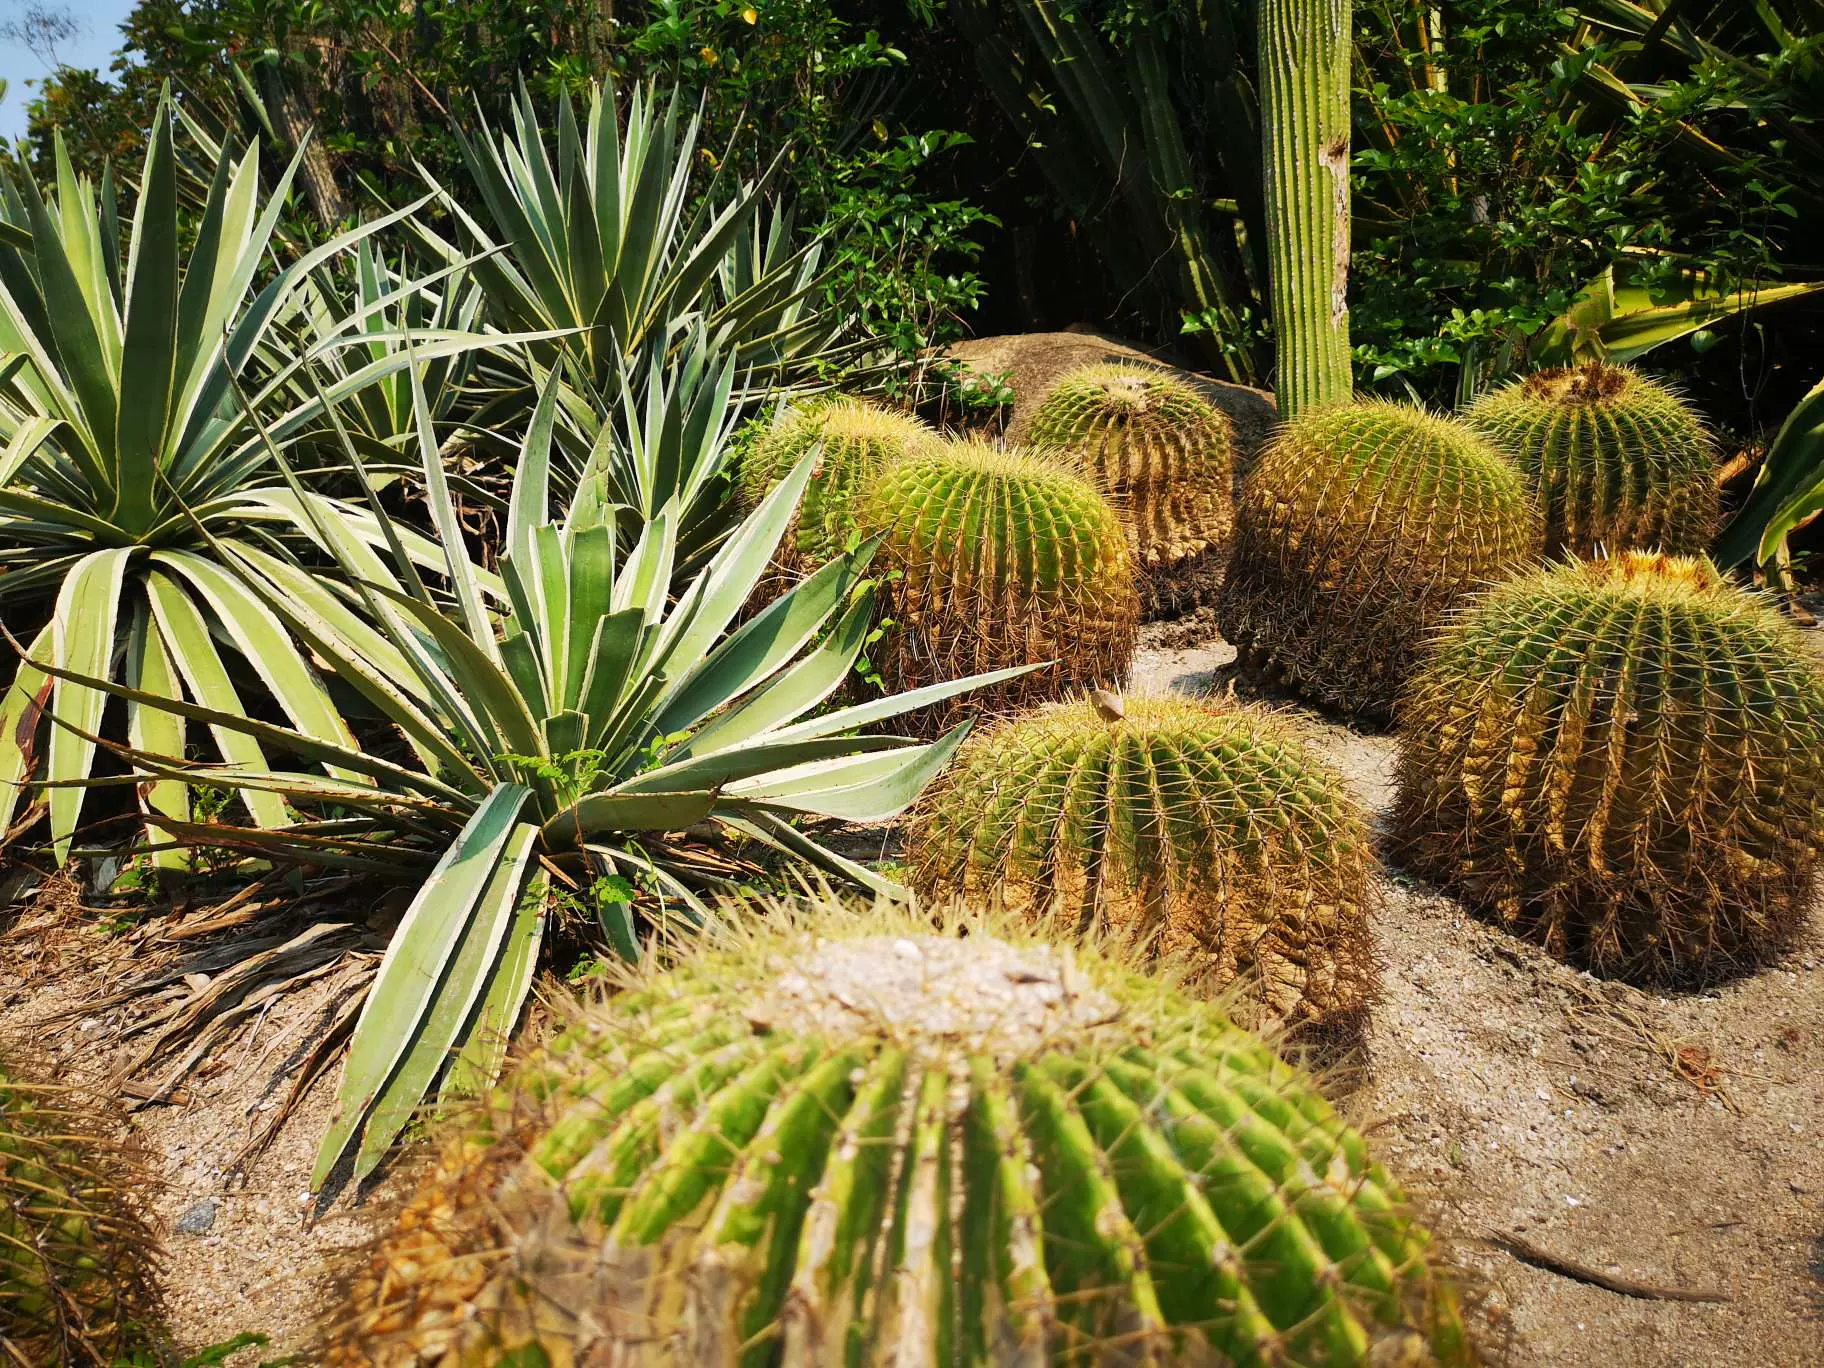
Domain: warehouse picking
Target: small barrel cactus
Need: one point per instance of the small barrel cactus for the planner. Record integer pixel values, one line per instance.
(855, 1141)
(994, 558)
(1206, 832)
(856, 440)
(1167, 459)
(76, 1257)
(1358, 529)
(1618, 462)
(1623, 760)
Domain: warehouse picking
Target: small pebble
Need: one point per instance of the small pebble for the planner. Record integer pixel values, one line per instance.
(198, 1219)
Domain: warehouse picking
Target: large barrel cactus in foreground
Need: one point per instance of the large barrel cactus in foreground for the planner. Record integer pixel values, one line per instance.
(1358, 529)
(1623, 760)
(857, 1141)
(1167, 459)
(998, 557)
(1618, 461)
(76, 1258)
(856, 440)
(1205, 832)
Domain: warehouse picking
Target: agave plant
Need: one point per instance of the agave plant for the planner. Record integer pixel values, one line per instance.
(589, 737)
(131, 466)
(596, 238)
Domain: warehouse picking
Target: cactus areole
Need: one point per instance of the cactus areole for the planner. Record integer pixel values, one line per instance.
(879, 1145)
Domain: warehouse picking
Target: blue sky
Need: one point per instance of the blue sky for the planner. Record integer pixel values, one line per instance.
(93, 47)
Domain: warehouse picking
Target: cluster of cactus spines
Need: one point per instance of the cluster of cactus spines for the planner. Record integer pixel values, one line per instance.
(1619, 462)
(1205, 832)
(1623, 760)
(995, 557)
(1358, 529)
(855, 1140)
(1166, 456)
(856, 440)
(76, 1256)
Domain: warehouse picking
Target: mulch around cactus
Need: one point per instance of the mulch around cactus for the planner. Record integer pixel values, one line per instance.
(1664, 1138)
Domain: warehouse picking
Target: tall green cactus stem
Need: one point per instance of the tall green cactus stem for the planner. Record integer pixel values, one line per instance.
(857, 441)
(1206, 833)
(993, 558)
(1624, 761)
(1167, 459)
(1357, 530)
(76, 1257)
(1618, 462)
(854, 1141)
(1305, 50)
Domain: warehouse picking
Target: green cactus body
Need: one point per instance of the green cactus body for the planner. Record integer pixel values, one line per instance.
(857, 441)
(75, 1256)
(994, 558)
(1205, 833)
(1619, 462)
(922, 1149)
(1358, 529)
(1166, 457)
(1622, 760)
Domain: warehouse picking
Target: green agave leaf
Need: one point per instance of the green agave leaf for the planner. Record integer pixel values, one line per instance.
(863, 788)
(649, 810)
(1788, 490)
(20, 712)
(87, 614)
(412, 973)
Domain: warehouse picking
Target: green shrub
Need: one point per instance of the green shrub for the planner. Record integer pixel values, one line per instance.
(1621, 760)
(1357, 530)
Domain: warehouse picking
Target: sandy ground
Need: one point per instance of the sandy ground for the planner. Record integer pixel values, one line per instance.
(1676, 1141)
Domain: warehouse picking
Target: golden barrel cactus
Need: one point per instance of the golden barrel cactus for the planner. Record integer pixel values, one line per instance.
(1204, 832)
(1622, 760)
(1167, 459)
(853, 1139)
(1618, 461)
(994, 558)
(1358, 529)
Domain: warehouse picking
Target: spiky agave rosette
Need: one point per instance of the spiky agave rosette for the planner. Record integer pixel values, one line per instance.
(1619, 461)
(1624, 761)
(998, 555)
(856, 440)
(76, 1255)
(1359, 527)
(1203, 832)
(852, 1139)
(1167, 458)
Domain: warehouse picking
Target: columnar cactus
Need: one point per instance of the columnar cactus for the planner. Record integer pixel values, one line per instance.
(1167, 459)
(995, 558)
(1618, 461)
(1624, 761)
(856, 441)
(1358, 529)
(855, 1141)
(1206, 832)
(76, 1258)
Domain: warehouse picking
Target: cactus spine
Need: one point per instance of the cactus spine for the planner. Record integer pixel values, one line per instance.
(852, 1140)
(994, 558)
(1305, 51)
(1618, 462)
(1167, 459)
(76, 1278)
(856, 441)
(1621, 760)
(1358, 529)
(1205, 832)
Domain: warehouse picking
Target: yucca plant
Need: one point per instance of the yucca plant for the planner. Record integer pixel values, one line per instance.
(131, 465)
(852, 1137)
(598, 740)
(593, 235)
